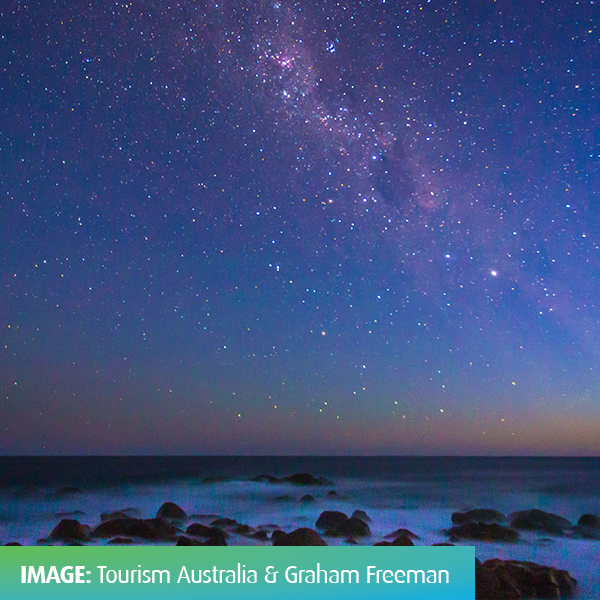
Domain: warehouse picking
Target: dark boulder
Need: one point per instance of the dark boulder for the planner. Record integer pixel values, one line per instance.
(243, 529)
(299, 537)
(497, 579)
(401, 540)
(277, 536)
(224, 522)
(538, 520)
(589, 521)
(118, 514)
(261, 536)
(402, 531)
(13, 544)
(486, 532)
(70, 529)
(120, 541)
(211, 533)
(171, 512)
(307, 499)
(478, 515)
(183, 540)
(266, 479)
(331, 519)
(332, 494)
(588, 527)
(148, 529)
(362, 515)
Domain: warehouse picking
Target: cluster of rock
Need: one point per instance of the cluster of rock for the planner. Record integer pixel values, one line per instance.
(494, 578)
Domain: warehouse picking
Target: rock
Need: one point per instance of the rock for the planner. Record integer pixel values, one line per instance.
(171, 512)
(305, 479)
(182, 540)
(538, 520)
(120, 541)
(588, 527)
(589, 521)
(277, 536)
(487, 532)
(70, 529)
(114, 515)
(243, 530)
(331, 519)
(261, 536)
(362, 515)
(201, 530)
(354, 527)
(401, 531)
(401, 540)
(299, 537)
(148, 529)
(13, 544)
(497, 579)
(444, 544)
(266, 479)
(351, 541)
(478, 515)
(307, 499)
(224, 522)
(332, 494)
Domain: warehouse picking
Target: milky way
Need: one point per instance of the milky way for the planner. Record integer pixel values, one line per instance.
(310, 228)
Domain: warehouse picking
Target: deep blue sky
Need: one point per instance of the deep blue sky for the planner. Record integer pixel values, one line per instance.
(300, 228)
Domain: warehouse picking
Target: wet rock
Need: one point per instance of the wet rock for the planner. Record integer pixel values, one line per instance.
(331, 519)
(183, 540)
(171, 512)
(538, 520)
(443, 544)
(362, 515)
(120, 541)
(486, 532)
(478, 515)
(402, 531)
(224, 522)
(13, 544)
(305, 479)
(401, 540)
(211, 533)
(261, 536)
(70, 529)
(299, 537)
(497, 579)
(148, 529)
(277, 536)
(332, 494)
(243, 530)
(307, 499)
(589, 521)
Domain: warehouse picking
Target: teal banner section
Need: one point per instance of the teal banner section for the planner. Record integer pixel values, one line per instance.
(220, 573)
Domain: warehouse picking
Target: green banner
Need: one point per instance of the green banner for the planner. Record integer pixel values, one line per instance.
(63, 572)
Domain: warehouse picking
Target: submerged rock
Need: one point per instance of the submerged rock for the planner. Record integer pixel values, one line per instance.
(362, 515)
(497, 579)
(299, 537)
(486, 532)
(402, 531)
(305, 479)
(538, 520)
(478, 515)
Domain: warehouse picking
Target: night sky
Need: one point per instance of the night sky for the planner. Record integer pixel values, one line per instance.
(281, 227)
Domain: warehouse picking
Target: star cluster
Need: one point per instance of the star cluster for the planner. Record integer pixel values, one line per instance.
(300, 228)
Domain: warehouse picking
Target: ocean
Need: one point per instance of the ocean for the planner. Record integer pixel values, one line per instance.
(416, 493)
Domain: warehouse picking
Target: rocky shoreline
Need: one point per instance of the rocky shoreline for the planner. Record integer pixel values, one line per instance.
(494, 578)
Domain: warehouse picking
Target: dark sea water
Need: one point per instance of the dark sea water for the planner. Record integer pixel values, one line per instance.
(417, 493)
